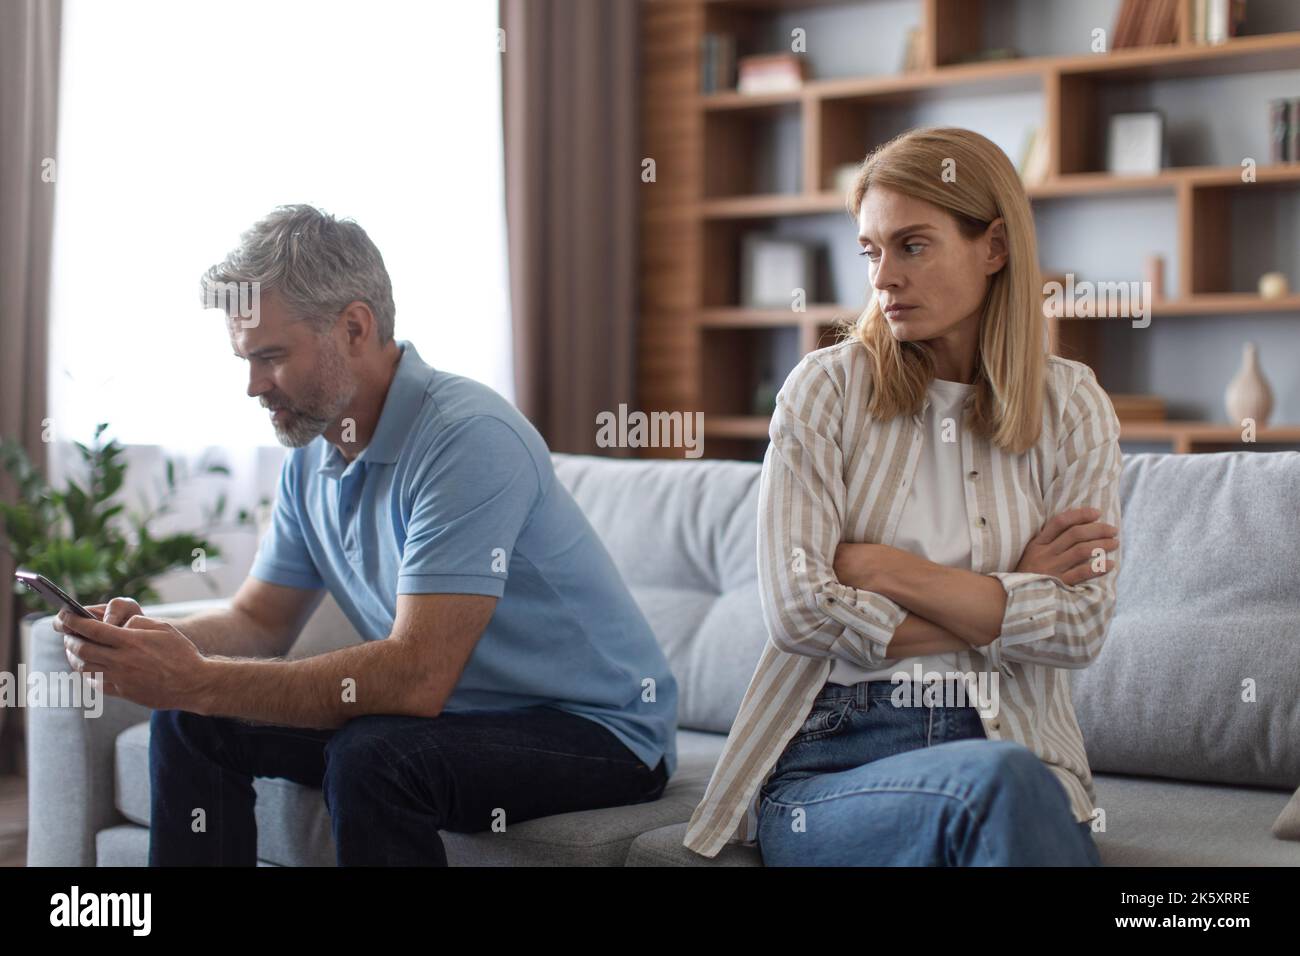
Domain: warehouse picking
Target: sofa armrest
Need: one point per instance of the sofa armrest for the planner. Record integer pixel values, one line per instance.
(71, 792)
(70, 795)
(71, 788)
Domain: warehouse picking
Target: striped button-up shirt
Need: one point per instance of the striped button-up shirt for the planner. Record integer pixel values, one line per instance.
(833, 474)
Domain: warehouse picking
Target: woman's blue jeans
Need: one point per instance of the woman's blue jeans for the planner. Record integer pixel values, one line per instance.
(865, 783)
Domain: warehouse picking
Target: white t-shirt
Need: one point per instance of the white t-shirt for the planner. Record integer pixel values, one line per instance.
(933, 522)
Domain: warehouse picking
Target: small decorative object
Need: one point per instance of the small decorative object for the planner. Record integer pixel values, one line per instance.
(1155, 274)
(770, 73)
(1273, 285)
(913, 53)
(765, 394)
(772, 268)
(1284, 130)
(1248, 394)
(1136, 143)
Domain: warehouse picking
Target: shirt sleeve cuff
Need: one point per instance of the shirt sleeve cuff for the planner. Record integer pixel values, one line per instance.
(872, 615)
(1031, 606)
(273, 573)
(451, 584)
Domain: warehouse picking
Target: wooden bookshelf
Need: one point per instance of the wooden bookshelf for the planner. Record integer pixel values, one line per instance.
(693, 330)
(1205, 436)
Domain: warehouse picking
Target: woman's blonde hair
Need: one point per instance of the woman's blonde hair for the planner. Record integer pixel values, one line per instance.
(966, 175)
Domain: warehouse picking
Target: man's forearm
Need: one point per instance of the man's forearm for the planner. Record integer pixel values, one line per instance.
(228, 632)
(325, 691)
(969, 605)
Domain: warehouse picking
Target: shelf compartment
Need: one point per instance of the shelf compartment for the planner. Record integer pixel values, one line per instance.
(1232, 234)
(749, 153)
(736, 361)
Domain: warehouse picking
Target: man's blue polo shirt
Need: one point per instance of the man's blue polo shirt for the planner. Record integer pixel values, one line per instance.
(455, 494)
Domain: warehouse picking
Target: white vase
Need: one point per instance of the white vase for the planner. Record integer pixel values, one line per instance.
(1248, 394)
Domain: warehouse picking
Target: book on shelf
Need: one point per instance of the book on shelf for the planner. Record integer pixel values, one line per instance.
(1145, 23)
(717, 62)
(1217, 21)
(1137, 408)
(914, 51)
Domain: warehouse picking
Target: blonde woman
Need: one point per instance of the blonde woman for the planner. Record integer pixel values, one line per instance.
(938, 491)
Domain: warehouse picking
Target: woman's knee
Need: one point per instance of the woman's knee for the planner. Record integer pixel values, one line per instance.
(1006, 768)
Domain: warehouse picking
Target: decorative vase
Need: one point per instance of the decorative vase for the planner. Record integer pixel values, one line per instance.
(1248, 394)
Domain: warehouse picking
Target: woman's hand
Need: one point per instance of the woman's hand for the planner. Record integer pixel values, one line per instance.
(1064, 548)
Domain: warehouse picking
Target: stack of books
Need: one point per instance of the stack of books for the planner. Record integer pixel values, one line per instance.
(1215, 21)
(1145, 23)
(1138, 408)
(717, 63)
(770, 73)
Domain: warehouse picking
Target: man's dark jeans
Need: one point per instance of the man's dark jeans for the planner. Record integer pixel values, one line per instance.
(390, 782)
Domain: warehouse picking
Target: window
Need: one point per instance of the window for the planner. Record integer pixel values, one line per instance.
(181, 124)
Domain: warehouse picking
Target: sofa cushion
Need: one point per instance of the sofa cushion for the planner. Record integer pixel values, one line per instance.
(1207, 603)
(293, 824)
(1149, 822)
(684, 536)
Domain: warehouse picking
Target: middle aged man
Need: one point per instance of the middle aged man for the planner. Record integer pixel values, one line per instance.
(506, 671)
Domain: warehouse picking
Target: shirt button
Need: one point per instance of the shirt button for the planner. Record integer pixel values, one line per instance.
(973, 474)
(981, 522)
(997, 725)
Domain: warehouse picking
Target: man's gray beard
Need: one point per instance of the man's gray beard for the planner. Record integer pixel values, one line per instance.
(332, 374)
(301, 431)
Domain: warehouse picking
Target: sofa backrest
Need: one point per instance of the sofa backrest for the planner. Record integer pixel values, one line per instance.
(1200, 674)
(684, 536)
(1208, 598)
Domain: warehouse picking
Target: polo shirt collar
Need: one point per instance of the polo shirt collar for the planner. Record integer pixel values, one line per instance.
(401, 407)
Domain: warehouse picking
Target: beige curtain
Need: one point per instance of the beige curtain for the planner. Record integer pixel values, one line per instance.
(572, 172)
(29, 79)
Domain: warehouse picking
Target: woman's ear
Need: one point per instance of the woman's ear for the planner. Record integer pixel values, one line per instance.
(996, 234)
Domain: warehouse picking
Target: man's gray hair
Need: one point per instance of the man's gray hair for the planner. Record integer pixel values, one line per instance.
(316, 264)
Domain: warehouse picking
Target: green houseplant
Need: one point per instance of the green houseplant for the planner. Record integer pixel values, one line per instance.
(82, 537)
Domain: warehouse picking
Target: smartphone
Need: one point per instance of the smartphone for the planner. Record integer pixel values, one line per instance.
(47, 589)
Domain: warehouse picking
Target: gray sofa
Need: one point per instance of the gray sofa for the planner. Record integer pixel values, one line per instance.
(1191, 713)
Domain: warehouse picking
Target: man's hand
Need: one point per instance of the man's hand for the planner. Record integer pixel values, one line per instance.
(117, 611)
(1063, 549)
(146, 661)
